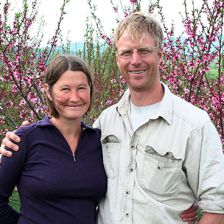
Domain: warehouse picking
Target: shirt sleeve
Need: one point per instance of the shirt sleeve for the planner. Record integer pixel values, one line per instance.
(205, 168)
(96, 123)
(10, 172)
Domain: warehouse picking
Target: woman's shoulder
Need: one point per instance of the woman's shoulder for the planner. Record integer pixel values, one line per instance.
(88, 128)
(26, 129)
(35, 126)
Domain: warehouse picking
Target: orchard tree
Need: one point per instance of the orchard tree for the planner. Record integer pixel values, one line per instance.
(193, 62)
(192, 66)
(22, 64)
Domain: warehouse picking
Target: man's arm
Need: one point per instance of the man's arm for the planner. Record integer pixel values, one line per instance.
(7, 141)
(212, 218)
(10, 137)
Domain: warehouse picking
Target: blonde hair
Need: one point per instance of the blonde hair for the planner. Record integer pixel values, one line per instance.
(137, 25)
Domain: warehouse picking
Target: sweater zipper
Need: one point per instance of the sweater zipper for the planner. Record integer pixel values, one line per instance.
(74, 157)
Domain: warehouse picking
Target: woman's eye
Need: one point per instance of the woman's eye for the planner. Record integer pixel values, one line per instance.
(65, 89)
(82, 88)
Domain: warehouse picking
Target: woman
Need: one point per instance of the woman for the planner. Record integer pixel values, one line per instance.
(59, 169)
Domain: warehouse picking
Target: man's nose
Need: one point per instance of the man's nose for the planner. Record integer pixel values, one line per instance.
(136, 58)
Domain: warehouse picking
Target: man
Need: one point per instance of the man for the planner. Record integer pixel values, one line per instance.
(161, 154)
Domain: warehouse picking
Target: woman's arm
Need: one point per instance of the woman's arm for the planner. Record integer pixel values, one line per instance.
(10, 173)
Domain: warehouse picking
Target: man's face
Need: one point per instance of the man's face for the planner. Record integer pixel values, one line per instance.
(138, 61)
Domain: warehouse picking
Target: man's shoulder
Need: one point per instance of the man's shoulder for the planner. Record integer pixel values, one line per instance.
(109, 110)
(121, 106)
(190, 113)
(107, 117)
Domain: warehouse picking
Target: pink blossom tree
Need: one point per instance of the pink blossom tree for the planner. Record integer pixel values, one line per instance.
(22, 64)
(193, 64)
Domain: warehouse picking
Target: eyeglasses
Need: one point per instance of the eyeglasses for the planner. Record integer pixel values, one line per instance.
(142, 52)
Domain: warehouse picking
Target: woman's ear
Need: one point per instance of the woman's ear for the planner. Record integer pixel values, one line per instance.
(47, 91)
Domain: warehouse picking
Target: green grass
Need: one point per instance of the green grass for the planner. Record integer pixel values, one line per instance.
(213, 74)
(14, 200)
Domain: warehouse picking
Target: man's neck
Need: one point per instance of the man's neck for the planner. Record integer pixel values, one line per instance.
(147, 97)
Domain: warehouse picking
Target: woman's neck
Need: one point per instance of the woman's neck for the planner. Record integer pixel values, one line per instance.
(67, 127)
(70, 130)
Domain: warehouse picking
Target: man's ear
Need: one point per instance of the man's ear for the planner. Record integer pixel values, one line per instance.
(47, 91)
(160, 53)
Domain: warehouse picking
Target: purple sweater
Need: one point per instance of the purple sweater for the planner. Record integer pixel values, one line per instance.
(54, 187)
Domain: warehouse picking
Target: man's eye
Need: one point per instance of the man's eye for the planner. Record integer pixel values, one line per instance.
(126, 53)
(144, 51)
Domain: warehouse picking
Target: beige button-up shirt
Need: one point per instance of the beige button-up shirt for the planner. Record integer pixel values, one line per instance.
(172, 160)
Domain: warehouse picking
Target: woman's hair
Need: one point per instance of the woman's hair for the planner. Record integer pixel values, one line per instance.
(57, 67)
(137, 26)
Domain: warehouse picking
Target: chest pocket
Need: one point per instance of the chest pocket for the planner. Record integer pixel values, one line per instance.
(111, 147)
(161, 174)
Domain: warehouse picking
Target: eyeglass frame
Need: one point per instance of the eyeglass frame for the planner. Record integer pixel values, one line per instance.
(142, 52)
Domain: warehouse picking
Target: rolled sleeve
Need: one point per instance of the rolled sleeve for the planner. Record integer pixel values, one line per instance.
(208, 185)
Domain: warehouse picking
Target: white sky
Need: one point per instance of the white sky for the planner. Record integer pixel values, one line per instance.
(74, 22)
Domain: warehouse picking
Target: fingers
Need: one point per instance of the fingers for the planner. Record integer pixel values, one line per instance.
(193, 209)
(190, 220)
(25, 123)
(190, 215)
(8, 141)
(4, 152)
(11, 135)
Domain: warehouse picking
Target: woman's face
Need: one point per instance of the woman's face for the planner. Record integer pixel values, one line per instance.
(70, 95)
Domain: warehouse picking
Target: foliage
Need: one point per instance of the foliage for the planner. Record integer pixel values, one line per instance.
(14, 200)
(193, 63)
(22, 64)
(108, 86)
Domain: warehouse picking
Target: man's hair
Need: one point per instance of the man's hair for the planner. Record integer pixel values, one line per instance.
(57, 67)
(137, 25)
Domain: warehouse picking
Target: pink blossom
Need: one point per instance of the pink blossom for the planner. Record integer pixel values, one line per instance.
(133, 1)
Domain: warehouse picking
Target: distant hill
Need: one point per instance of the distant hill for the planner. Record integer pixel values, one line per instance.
(77, 46)
(74, 47)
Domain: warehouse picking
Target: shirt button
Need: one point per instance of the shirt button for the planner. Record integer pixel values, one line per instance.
(127, 215)
(131, 170)
(127, 192)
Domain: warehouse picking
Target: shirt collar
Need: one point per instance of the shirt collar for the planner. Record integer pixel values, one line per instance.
(46, 122)
(164, 110)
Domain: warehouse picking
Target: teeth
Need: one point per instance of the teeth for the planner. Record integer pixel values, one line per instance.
(137, 72)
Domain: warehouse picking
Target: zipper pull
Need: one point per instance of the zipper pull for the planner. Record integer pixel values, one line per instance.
(74, 157)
